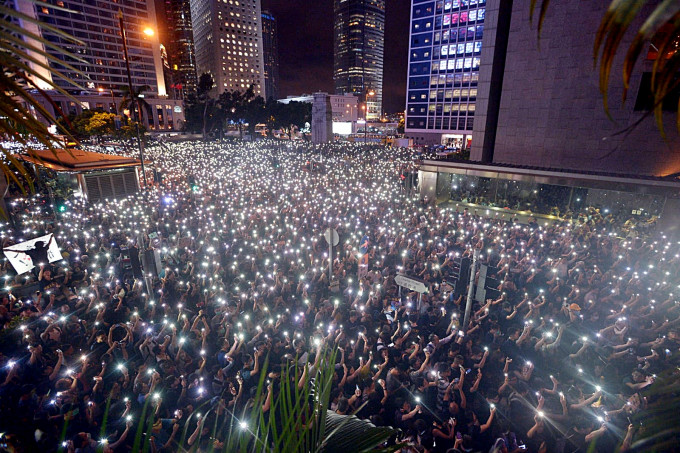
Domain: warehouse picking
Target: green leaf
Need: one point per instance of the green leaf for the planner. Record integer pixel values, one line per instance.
(609, 35)
(541, 15)
(661, 15)
(349, 433)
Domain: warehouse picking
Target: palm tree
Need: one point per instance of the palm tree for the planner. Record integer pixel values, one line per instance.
(205, 85)
(23, 57)
(251, 110)
(227, 105)
(138, 98)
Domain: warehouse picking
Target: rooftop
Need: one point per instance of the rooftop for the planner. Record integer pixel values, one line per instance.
(666, 185)
(77, 160)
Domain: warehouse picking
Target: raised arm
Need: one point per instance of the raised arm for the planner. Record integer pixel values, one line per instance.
(122, 437)
(489, 421)
(196, 432)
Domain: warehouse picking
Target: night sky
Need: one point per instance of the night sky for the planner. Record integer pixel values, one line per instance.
(306, 48)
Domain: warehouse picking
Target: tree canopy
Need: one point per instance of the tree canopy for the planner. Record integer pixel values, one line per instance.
(242, 109)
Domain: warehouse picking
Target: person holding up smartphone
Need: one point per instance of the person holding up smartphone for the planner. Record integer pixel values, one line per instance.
(444, 434)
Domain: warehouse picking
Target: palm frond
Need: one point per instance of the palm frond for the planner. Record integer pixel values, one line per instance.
(662, 15)
(541, 14)
(665, 82)
(349, 433)
(660, 27)
(298, 419)
(23, 54)
(609, 35)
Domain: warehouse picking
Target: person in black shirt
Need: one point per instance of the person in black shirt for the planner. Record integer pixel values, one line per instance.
(38, 253)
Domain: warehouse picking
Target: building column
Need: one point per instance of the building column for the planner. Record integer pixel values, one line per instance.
(154, 117)
(428, 184)
(491, 72)
(669, 220)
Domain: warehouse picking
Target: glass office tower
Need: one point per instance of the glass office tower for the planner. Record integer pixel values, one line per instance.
(358, 52)
(443, 73)
(270, 46)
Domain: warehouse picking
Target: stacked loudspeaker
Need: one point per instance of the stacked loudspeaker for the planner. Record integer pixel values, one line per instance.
(151, 260)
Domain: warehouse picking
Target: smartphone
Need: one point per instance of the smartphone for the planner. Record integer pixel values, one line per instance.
(458, 435)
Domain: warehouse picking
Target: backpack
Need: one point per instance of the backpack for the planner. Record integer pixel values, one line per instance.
(499, 446)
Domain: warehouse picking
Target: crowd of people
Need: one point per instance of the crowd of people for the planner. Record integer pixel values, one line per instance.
(563, 358)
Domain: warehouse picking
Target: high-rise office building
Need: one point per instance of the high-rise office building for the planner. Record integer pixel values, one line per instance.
(541, 140)
(96, 25)
(443, 73)
(179, 41)
(100, 68)
(228, 43)
(479, 78)
(359, 39)
(270, 46)
(545, 108)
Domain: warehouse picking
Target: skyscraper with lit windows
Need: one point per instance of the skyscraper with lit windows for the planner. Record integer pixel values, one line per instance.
(96, 26)
(270, 46)
(99, 70)
(359, 39)
(443, 72)
(228, 43)
(178, 38)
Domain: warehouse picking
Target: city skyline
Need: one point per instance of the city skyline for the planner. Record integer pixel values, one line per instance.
(299, 23)
(296, 56)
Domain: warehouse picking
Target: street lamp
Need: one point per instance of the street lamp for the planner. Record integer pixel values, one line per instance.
(370, 93)
(115, 107)
(363, 107)
(149, 31)
(129, 79)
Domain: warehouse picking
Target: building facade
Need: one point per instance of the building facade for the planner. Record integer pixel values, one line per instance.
(359, 39)
(96, 25)
(101, 74)
(479, 78)
(179, 40)
(543, 106)
(270, 46)
(443, 72)
(228, 43)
